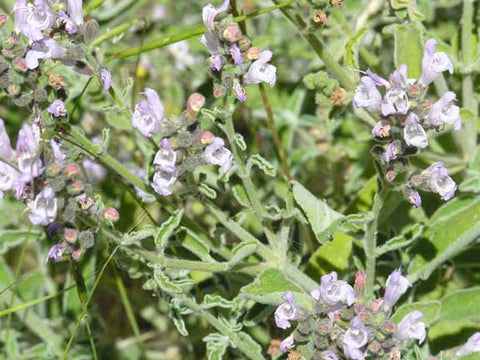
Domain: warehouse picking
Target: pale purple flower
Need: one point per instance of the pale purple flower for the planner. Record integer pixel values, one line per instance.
(166, 157)
(413, 133)
(57, 108)
(287, 344)
(75, 11)
(8, 178)
(434, 63)
(445, 112)
(379, 81)
(106, 78)
(395, 287)
(38, 17)
(43, 49)
(286, 312)
(163, 181)
(217, 154)
(20, 15)
(261, 71)
(415, 199)
(356, 337)
(382, 129)
(67, 22)
(239, 91)
(329, 355)
(399, 78)
(209, 14)
(43, 208)
(334, 292)
(94, 171)
(211, 42)
(472, 345)
(412, 328)
(5, 147)
(56, 252)
(395, 102)
(439, 181)
(236, 55)
(367, 96)
(148, 114)
(29, 163)
(393, 150)
(57, 152)
(215, 62)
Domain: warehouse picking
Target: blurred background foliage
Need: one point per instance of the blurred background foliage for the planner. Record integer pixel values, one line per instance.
(328, 151)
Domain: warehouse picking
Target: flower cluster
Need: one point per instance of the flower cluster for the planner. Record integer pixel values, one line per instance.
(406, 116)
(233, 57)
(342, 325)
(182, 146)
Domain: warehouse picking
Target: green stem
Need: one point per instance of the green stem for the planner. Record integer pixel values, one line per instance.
(82, 294)
(120, 29)
(370, 244)
(243, 172)
(190, 33)
(342, 75)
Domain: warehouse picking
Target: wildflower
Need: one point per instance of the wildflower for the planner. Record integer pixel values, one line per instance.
(239, 90)
(106, 78)
(67, 22)
(211, 42)
(393, 150)
(162, 181)
(395, 287)
(472, 345)
(329, 355)
(334, 292)
(287, 311)
(434, 63)
(149, 114)
(217, 154)
(57, 108)
(355, 338)
(395, 102)
(166, 157)
(261, 71)
(29, 163)
(413, 133)
(43, 208)
(5, 147)
(56, 252)
(8, 178)
(444, 112)
(367, 96)
(236, 54)
(36, 18)
(399, 78)
(209, 14)
(415, 199)
(382, 129)
(215, 62)
(75, 11)
(57, 152)
(20, 15)
(287, 344)
(412, 328)
(43, 49)
(378, 80)
(439, 182)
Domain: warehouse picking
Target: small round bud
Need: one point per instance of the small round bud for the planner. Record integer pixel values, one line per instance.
(53, 170)
(20, 65)
(76, 253)
(390, 175)
(232, 33)
(218, 91)
(374, 347)
(376, 305)
(244, 43)
(13, 89)
(195, 103)
(111, 214)
(320, 17)
(76, 188)
(388, 327)
(71, 170)
(338, 96)
(3, 19)
(71, 236)
(252, 53)
(206, 138)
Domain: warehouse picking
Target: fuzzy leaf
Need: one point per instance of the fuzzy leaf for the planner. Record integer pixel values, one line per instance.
(263, 165)
(167, 228)
(461, 305)
(409, 48)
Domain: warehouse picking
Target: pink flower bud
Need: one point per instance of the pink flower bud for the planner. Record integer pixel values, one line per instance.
(20, 65)
(253, 53)
(72, 170)
(232, 33)
(206, 138)
(71, 236)
(244, 43)
(218, 91)
(76, 253)
(3, 19)
(76, 188)
(111, 214)
(13, 89)
(195, 103)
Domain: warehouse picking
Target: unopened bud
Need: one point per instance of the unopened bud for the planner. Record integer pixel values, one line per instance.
(388, 327)
(76, 188)
(53, 170)
(13, 89)
(111, 214)
(206, 138)
(390, 175)
(71, 236)
(244, 43)
(3, 19)
(232, 33)
(320, 17)
(253, 53)
(76, 253)
(359, 286)
(218, 91)
(376, 305)
(374, 347)
(338, 96)
(195, 103)
(72, 170)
